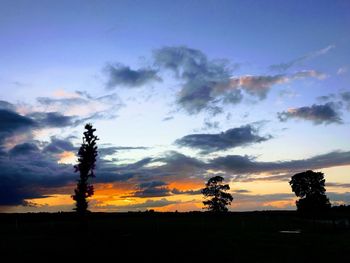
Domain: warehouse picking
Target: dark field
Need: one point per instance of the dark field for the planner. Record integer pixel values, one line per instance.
(175, 237)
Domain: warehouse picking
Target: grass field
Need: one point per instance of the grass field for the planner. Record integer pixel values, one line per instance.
(174, 237)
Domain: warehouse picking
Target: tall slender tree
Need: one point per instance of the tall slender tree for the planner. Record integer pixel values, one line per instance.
(86, 165)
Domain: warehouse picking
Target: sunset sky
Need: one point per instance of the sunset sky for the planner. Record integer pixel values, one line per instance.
(179, 91)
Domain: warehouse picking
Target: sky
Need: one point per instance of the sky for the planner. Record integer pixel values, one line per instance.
(179, 91)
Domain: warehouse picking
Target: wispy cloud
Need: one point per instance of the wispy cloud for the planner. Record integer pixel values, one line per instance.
(287, 65)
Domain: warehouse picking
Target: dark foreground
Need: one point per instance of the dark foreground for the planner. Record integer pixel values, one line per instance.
(175, 237)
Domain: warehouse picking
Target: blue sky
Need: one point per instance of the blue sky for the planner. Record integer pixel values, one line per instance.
(149, 73)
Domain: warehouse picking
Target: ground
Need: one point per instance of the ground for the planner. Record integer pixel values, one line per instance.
(176, 237)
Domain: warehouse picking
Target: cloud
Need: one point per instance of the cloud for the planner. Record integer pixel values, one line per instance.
(148, 204)
(13, 123)
(340, 185)
(259, 86)
(199, 74)
(339, 198)
(209, 82)
(24, 149)
(176, 191)
(31, 170)
(168, 118)
(27, 174)
(326, 98)
(152, 184)
(82, 104)
(342, 70)
(285, 66)
(152, 192)
(4, 105)
(206, 84)
(104, 151)
(160, 189)
(241, 191)
(235, 137)
(16, 125)
(317, 113)
(240, 168)
(208, 125)
(346, 99)
(54, 119)
(242, 165)
(120, 75)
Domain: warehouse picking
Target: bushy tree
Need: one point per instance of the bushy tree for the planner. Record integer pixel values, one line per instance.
(215, 190)
(86, 165)
(309, 186)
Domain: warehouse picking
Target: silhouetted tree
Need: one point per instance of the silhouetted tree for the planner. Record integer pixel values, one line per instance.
(216, 191)
(86, 165)
(310, 187)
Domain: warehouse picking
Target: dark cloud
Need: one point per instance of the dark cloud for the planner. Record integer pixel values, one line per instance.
(151, 189)
(236, 137)
(174, 160)
(152, 192)
(104, 151)
(152, 184)
(57, 145)
(61, 102)
(326, 98)
(168, 118)
(237, 164)
(160, 189)
(31, 170)
(186, 192)
(13, 123)
(4, 105)
(199, 74)
(120, 75)
(148, 204)
(241, 168)
(24, 149)
(340, 185)
(285, 66)
(26, 173)
(346, 98)
(208, 125)
(54, 119)
(317, 113)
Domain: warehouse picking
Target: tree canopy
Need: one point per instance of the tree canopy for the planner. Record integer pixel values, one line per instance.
(216, 192)
(309, 186)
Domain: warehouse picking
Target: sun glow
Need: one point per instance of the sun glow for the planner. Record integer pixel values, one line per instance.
(66, 157)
